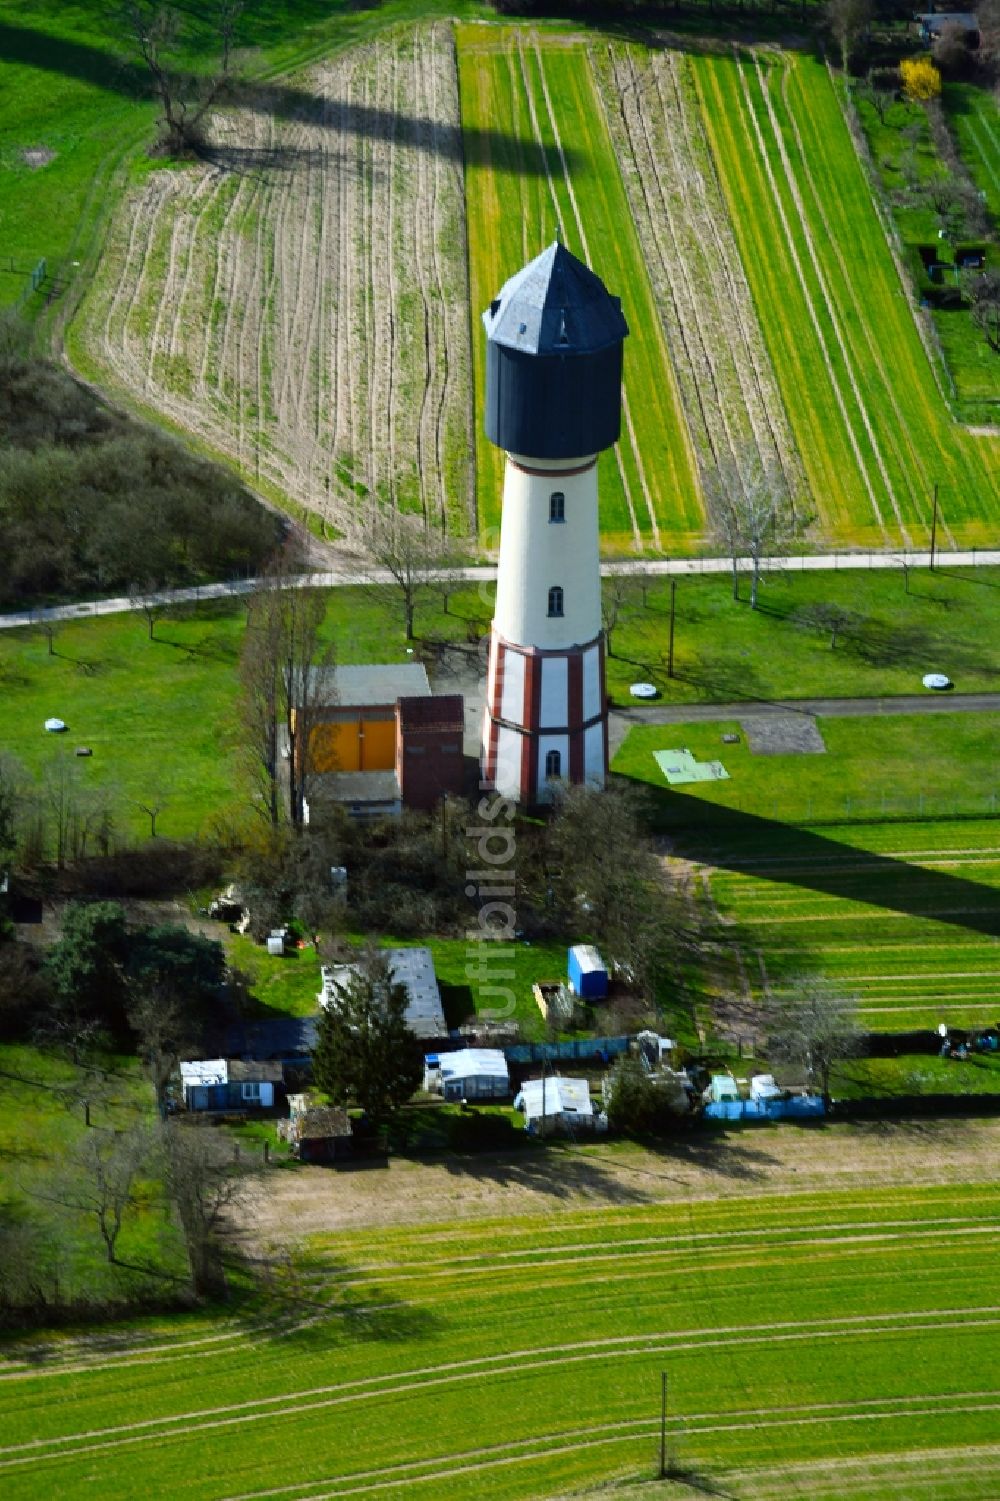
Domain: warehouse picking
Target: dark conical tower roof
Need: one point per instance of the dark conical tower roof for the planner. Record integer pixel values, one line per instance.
(555, 305)
(554, 360)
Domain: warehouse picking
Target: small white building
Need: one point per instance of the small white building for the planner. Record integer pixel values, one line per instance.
(763, 1088)
(468, 1074)
(229, 1084)
(558, 1104)
(411, 968)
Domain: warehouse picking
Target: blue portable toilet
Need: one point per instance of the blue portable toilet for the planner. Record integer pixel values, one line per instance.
(588, 974)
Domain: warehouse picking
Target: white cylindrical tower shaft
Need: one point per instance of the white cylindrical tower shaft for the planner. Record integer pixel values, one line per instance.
(553, 403)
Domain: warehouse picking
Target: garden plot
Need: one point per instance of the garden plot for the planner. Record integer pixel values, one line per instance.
(298, 301)
(731, 398)
(541, 163)
(975, 119)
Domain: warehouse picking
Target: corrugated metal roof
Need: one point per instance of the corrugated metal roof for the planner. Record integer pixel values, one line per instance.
(555, 305)
(205, 1071)
(466, 1062)
(374, 683)
(413, 968)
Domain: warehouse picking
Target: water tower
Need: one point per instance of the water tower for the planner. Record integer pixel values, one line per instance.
(553, 402)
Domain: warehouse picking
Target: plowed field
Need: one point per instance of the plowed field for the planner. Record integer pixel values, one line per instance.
(298, 300)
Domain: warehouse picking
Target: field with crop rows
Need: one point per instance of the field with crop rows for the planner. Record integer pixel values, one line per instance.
(876, 864)
(731, 399)
(821, 1343)
(905, 916)
(298, 301)
(548, 168)
(875, 433)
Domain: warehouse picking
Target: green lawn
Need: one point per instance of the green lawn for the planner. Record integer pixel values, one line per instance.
(851, 1332)
(875, 434)
(160, 716)
(815, 864)
(725, 651)
(41, 1123)
(899, 766)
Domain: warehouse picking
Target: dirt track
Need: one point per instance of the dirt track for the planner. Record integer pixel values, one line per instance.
(778, 1160)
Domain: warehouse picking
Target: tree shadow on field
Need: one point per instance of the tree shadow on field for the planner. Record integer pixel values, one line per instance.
(803, 858)
(553, 1172)
(709, 1148)
(312, 1301)
(484, 145)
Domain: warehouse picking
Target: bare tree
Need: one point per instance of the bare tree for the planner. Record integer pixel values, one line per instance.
(163, 1028)
(60, 797)
(832, 619)
(410, 555)
(153, 803)
(751, 514)
(148, 602)
(155, 32)
(848, 20)
(814, 1025)
(287, 677)
(880, 89)
(98, 1178)
(205, 1181)
(617, 601)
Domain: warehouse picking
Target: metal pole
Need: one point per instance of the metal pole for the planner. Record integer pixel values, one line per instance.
(670, 648)
(663, 1425)
(934, 526)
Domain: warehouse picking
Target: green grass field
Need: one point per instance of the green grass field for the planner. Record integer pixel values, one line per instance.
(160, 715)
(851, 865)
(975, 118)
(41, 1125)
(876, 434)
(557, 174)
(827, 1344)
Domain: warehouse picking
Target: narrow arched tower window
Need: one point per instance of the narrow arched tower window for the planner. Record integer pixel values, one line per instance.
(555, 600)
(553, 764)
(557, 506)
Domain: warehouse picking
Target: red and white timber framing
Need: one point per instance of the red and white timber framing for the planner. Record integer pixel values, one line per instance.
(542, 705)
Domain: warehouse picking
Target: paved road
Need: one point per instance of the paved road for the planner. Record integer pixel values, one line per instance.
(353, 573)
(623, 717)
(834, 708)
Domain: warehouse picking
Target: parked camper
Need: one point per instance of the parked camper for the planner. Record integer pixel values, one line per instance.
(468, 1074)
(555, 1104)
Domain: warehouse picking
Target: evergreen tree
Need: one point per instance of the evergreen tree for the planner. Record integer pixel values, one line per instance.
(365, 1053)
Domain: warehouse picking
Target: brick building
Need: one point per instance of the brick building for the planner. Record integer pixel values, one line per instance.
(382, 741)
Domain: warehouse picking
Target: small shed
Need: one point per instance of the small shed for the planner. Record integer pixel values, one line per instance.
(468, 1074)
(221, 1084)
(557, 1104)
(722, 1089)
(763, 1088)
(588, 973)
(317, 1132)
